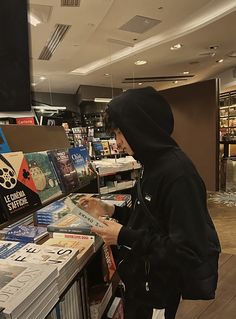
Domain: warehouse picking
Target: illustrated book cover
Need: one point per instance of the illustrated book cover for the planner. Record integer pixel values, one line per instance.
(65, 169)
(43, 174)
(24, 233)
(82, 164)
(17, 189)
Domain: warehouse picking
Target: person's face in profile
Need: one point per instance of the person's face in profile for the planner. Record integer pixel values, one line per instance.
(122, 143)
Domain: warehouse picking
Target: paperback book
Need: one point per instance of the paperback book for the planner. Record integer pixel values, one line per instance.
(21, 284)
(43, 174)
(70, 224)
(17, 189)
(7, 248)
(82, 164)
(51, 213)
(65, 169)
(22, 233)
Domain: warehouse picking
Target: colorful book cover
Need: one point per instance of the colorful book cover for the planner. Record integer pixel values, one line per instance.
(82, 164)
(23, 233)
(42, 172)
(65, 169)
(106, 147)
(7, 248)
(97, 148)
(17, 189)
(113, 146)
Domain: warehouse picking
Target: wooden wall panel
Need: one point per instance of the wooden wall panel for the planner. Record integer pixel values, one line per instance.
(196, 114)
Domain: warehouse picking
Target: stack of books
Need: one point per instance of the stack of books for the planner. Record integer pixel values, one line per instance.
(65, 259)
(85, 248)
(24, 233)
(23, 283)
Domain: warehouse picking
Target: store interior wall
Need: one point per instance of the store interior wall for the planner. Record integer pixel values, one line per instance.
(196, 115)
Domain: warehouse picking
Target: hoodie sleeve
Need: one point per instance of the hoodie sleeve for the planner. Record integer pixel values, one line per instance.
(185, 213)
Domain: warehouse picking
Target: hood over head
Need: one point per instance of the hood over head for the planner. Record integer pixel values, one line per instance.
(146, 120)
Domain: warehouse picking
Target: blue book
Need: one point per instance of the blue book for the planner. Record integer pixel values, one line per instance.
(81, 160)
(7, 248)
(22, 233)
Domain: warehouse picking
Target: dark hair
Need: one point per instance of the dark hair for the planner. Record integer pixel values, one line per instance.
(110, 125)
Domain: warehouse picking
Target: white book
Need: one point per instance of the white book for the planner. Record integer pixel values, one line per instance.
(86, 217)
(43, 254)
(20, 285)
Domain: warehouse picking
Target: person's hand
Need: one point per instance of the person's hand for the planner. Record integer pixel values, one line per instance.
(109, 232)
(95, 206)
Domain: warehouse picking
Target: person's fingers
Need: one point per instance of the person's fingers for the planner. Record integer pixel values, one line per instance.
(98, 230)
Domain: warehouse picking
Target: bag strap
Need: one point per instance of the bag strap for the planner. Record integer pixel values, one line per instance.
(144, 206)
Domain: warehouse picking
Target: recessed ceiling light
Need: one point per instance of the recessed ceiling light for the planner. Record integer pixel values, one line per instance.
(175, 82)
(186, 72)
(140, 83)
(106, 74)
(140, 62)
(33, 84)
(176, 46)
(220, 61)
(42, 78)
(232, 54)
(213, 47)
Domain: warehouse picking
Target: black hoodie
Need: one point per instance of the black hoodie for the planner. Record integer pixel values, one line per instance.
(171, 187)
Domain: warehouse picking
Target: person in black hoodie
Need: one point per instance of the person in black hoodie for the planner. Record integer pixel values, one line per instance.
(168, 246)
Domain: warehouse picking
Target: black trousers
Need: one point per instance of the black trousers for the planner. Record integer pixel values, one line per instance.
(138, 310)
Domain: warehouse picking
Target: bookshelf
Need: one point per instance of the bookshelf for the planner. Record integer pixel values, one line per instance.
(74, 299)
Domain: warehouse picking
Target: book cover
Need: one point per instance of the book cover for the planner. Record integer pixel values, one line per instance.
(113, 146)
(109, 266)
(97, 148)
(4, 147)
(19, 281)
(65, 169)
(106, 147)
(24, 233)
(17, 189)
(7, 248)
(42, 172)
(82, 164)
(45, 254)
(86, 217)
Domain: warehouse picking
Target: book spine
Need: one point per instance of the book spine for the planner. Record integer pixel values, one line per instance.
(55, 229)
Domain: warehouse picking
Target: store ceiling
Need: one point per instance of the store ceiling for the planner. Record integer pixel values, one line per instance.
(101, 37)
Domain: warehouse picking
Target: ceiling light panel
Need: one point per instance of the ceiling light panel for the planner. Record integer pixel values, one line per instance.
(53, 42)
(139, 24)
(70, 3)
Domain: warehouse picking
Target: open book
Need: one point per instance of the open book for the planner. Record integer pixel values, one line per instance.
(86, 217)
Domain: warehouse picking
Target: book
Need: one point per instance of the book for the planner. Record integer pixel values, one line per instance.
(43, 174)
(86, 217)
(51, 213)
(17, 189)
(108, 262)
(65, 259)
(7, 248)
(82, 164)
(70, 224)
(106, 147)
(97, 148)
(65, 170)
(24, 233)
(113, 146)
(116, 199)
(21, 284)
